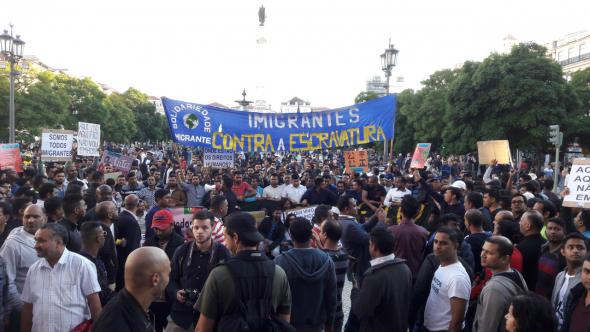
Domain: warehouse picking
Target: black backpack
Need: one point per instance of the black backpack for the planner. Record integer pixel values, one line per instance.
(253, 296)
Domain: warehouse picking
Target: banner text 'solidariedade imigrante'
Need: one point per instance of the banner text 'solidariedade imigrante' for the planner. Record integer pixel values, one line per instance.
(226, 129)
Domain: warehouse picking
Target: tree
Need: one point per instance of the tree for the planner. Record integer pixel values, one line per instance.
(404, 140)
(365, 96)
(514, 96)
(577, 124)
(119, 126)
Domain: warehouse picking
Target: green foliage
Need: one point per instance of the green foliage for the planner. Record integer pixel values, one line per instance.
(365, 96)
(513, 96)
(47, 100)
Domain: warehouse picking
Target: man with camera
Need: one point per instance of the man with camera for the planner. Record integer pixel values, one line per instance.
(191, 265)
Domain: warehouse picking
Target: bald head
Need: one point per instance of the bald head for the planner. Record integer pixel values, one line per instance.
(131, 202)
(147, 270)
(105, 210)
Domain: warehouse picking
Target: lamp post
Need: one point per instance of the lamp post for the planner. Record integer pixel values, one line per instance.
(388, 61)
(12, 50)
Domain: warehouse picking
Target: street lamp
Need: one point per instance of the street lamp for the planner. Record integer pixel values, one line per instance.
(12, 50)
(388, 61)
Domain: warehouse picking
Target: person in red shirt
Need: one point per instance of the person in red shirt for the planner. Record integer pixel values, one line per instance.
(241, 188)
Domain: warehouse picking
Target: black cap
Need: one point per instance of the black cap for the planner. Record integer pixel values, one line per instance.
(243, 224)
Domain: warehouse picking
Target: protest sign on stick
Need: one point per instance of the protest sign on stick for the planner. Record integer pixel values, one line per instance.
(218, 158)
(420, 155)
(578, 183)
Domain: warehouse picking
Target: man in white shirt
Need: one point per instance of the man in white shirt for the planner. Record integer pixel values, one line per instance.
(395, 195)
(273, 191)
(447, 302)
(61, 289)
(295, 190)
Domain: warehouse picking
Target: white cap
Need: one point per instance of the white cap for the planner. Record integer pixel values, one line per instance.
(459, 184)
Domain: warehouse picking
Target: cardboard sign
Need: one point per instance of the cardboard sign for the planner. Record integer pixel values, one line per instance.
(357, 161)
(118, 161)
(10, 157)
(494, 150)
(56, 145)
(304, 212)
(420, 155)
(88, 139)
(218, 159)
(578, 182)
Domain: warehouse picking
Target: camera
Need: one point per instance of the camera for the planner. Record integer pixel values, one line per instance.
(190, 297)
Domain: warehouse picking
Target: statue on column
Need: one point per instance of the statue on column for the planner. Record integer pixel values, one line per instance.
(261, 15)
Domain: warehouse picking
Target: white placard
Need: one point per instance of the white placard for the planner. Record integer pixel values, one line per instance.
(305, 212)
(218, 159)
(56, 145)
(578, 183)
(88, 139)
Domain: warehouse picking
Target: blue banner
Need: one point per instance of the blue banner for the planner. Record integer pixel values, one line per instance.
(226, 129)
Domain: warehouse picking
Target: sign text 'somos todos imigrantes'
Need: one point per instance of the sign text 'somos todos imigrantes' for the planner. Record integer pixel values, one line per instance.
(56, 145)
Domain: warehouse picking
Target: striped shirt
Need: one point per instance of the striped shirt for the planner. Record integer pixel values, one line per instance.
(58, 294)
(340, 259)
(218, 231)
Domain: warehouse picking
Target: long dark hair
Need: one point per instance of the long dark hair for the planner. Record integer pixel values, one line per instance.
(533, 313)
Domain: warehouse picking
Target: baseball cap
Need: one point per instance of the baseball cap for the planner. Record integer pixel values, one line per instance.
(162, 219)
(243, 224)
(459, 184)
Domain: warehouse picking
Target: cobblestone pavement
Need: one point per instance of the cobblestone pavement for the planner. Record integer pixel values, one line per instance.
(346, 299)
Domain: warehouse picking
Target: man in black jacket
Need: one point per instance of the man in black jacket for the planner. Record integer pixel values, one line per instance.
(168, 240)
(191, 265)
(382, 303)
(531, 224)
(146, 275)
(128, 236)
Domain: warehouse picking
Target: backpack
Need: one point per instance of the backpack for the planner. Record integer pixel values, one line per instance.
(253, 298)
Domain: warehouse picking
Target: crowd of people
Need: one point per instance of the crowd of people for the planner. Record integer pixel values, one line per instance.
(451, 247)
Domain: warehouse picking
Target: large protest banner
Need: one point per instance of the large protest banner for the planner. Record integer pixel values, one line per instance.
(218, 128)
(494, 150)
(10, 157)
(218, 159)
(578, 183)
(118, 161)
(357, 161)
(420, 155)
(56, 145)
(88, 139)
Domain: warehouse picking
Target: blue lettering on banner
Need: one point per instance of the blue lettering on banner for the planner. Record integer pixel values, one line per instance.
(226, 129)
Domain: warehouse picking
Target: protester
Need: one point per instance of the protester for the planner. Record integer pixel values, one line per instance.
(147, 271)
(386, 288)
(163, 201)
(574, 250)
(128, 236)
(220, 289)
(195, 191)
(93, 239)
(474, 221)
(495, 297)
(447, 302)
(551, 261)
(74, 211)
(530, 313)
(312, 279)
(72, 297)
(531, 224)
(191, 264)
(329, 236)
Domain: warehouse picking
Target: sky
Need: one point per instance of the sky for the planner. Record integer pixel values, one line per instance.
(322, 51)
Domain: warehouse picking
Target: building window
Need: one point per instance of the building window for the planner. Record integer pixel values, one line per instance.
(583, 49)
(571, 52)
(559, 55)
